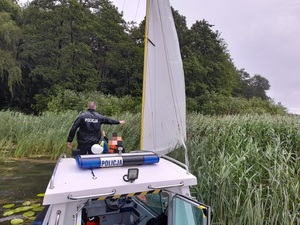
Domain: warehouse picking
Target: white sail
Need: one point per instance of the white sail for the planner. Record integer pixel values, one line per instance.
(164, 107)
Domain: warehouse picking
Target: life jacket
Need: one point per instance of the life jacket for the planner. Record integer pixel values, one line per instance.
(114, 146)
(115, 149)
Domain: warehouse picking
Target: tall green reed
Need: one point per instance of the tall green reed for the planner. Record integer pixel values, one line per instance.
(27, 135)
(248, 167)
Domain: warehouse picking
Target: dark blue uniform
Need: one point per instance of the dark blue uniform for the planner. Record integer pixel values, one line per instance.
(89, 133)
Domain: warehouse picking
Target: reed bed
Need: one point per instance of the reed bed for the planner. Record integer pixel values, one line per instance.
(30, 136)
(248, 166)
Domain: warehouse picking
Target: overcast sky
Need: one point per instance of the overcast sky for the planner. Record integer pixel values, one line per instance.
(263, 37)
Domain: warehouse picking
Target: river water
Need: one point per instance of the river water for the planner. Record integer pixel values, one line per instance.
(20, 181)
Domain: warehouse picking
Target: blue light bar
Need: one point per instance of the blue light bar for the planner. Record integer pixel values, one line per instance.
(150, 159)
(115, 161)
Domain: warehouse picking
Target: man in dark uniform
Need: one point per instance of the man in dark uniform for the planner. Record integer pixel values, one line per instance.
(89, 132)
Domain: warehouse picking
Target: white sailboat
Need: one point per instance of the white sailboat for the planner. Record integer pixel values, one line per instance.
(144, 187)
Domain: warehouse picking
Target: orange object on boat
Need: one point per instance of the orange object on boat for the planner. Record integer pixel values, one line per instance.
(93, 221)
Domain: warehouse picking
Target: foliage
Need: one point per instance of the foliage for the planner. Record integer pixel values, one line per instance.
(251, 87)
(116, 54)
(208, 66)
(10, 32)
(27, 135)
(217, 104)
(27, 209)
(48, 47)
(247, 165)
(60, 56)
(208, 104)
(107, 104)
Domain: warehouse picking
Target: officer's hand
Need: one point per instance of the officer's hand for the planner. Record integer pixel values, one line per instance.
(70, 145)
(122, 121)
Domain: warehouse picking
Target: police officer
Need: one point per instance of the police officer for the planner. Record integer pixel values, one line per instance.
(88, 125)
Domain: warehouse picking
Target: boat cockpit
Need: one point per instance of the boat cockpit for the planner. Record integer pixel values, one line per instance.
(154, 208)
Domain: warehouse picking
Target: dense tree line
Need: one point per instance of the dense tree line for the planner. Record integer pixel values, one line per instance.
(50, 46)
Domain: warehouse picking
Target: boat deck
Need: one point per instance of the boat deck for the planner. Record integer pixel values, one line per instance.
(70, 181)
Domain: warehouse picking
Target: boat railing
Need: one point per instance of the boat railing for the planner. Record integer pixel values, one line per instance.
(57, 217)
(177, 162)
(165, 186)
(54, 171)
(92, 196)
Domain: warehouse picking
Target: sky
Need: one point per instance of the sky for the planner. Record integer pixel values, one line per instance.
(262, 36)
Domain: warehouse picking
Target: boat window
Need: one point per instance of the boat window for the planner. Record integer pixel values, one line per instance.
(187, 211)
(157, 202)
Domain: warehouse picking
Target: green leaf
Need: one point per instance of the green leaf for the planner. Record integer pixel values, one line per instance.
(41, 194)
(37, 209)
(36, 205)
(22, 209)
(8, 206)
(16, 221)
(8, 213)
(27, 203)
(28, 214)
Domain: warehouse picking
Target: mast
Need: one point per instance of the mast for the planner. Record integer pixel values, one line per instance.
(144, 74)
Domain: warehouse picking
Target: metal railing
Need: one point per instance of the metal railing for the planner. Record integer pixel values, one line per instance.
(57, 217)
(176, 162)
(54, 171)
(166, 186)
(91, 196)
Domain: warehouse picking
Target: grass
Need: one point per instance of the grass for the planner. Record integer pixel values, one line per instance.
(27, 135)
(248, 166)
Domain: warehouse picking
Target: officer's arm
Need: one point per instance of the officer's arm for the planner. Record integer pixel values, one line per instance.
(106, 120)
(74, 129)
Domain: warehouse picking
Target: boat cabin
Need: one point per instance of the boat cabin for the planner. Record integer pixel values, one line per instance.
(139, 188)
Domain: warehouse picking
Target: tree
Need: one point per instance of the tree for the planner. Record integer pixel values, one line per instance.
(115, 51)
(85, 45)
(242, 83)
(10, 72)
(208, 66)
(251, 87)
(182, 32)
(78, 45)
(57, 48)
(258, 86)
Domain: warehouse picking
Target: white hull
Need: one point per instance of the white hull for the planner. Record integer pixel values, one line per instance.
(73, 194)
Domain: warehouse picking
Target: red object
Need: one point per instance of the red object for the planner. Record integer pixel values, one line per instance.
(93, 221)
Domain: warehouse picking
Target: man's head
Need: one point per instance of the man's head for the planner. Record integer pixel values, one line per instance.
(92, 105)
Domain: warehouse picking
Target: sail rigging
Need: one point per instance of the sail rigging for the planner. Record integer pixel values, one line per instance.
(164, 107)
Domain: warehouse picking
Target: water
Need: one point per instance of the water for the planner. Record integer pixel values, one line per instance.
(20, 181)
